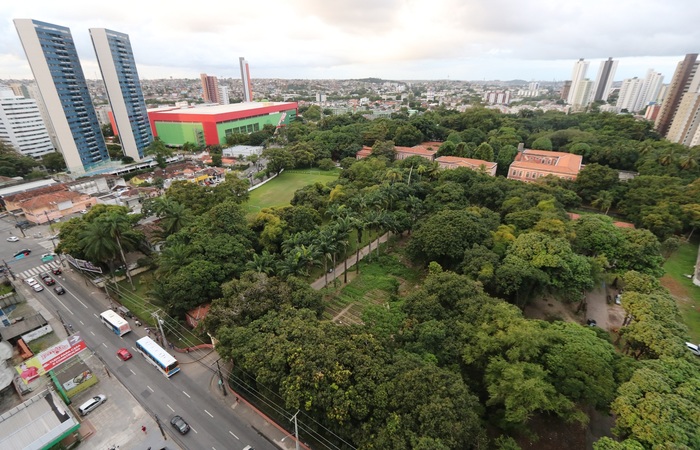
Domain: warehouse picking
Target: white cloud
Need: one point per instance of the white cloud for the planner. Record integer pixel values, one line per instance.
(465, 39)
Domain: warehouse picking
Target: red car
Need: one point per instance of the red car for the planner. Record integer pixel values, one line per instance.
(49, 281)
(123, 354)
(56, 271)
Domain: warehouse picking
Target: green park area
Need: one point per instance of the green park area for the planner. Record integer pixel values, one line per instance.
(687, 295)
(280, 190)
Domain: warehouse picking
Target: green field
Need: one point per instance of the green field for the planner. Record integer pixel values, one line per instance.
(687, 295)
(280, 191)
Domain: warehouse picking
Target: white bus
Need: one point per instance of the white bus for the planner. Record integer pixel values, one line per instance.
(115, 322)
(156, 355)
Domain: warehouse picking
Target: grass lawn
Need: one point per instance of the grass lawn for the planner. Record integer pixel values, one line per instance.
(687, 295)
(137, 300)
(279, 191)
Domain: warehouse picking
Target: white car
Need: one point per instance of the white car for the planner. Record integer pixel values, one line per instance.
(693, 348)
(37, 287)
(31, 281)
(13, 239)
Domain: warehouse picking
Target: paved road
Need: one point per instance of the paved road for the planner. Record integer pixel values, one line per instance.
(214, 426)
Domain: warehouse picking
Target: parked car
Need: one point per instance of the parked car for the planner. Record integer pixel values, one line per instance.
(123, 354)
(591, 323)
(693, 348)
(91, 404)
(31, 281)
(180, 425)
(13, 239)
(59, 290)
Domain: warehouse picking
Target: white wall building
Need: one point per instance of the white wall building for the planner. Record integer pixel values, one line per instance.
(582, 93)
(603, 82)
(629, 94)
(22, 126)
(650, 89)
(224, 97)
(577, 76)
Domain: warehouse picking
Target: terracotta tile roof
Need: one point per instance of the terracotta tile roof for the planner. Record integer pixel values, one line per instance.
(35, 192)
(465, 162)
(546, 161)
(432, 144)
(54, 198)
(417, 150)
(365, 152)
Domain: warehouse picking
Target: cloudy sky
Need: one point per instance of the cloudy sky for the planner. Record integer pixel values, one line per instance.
(390, 39)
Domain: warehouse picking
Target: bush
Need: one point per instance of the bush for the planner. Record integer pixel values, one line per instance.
(326, 164)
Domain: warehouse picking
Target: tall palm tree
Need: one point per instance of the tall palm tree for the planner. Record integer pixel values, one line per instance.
(172, 257)
(342, 229)
(118, 227)
(97, 243)
(262, 263)
(325, 243)
(604, 201)
(174, 216)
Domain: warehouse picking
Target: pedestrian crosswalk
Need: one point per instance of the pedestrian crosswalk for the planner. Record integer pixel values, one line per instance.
(39, 269)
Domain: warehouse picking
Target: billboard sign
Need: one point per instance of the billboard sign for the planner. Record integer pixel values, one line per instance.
(51, 358)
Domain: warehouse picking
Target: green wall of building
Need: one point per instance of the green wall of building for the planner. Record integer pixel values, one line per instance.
(252, 124)
(177, 133)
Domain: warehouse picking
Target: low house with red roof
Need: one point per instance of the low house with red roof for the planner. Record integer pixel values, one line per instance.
(51, 204)
(365, 152)
(529, 165)
(194, 316)
(453, 162)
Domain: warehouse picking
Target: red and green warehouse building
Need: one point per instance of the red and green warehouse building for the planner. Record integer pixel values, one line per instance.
(209, 125)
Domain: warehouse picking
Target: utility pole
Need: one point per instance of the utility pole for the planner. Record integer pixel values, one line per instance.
(160, 427)
(160, 325)
(221, 378)
(296, 429)
(7, 268)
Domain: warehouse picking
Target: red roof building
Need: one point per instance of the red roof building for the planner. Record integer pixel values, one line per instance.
(529, 165)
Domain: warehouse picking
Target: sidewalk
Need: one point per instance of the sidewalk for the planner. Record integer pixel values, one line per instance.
(352, 260)
(265, 426)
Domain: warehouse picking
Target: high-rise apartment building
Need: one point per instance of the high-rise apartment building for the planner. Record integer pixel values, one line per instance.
(604, 80)
(224, 95)
(53, 58)
(577, 76)
(19, 90)
(685, 121)
(582, 95)
(245, 77)
(210, 88)
(629, 94)
(650, 89)
(22, 126)
(116, 60)
(685, 71)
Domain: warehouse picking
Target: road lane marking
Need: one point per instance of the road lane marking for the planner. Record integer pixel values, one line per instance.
(188, 395)
(171, 409)
(92, 333)
(96, 316)
(208, 413)
(81, 322)
(132, 371)
(231, 433)
(104, 344)
(193, 429)
(149, 388)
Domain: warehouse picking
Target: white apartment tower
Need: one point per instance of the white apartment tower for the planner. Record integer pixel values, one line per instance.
(22, 126)
(629, 94)
(577, 75)
(685, 123)
(245, 77)
(224, 97)
(650, 89)
(583, 93)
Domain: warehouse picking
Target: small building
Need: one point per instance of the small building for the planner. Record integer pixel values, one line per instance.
(453, 162)
(50, 203)
(529, 165)
(364, 153)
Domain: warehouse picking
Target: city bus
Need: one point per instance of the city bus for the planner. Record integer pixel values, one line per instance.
(115, 322)
(156, 355)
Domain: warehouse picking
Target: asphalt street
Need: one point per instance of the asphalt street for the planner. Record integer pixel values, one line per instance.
(214, 425)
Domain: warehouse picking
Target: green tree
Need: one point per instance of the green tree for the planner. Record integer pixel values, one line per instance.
(53, 162)
(158, 149)
(484, 152)
(542, 143)
(408, 136)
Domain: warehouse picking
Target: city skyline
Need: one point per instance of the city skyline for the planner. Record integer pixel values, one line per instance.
(390, 39)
